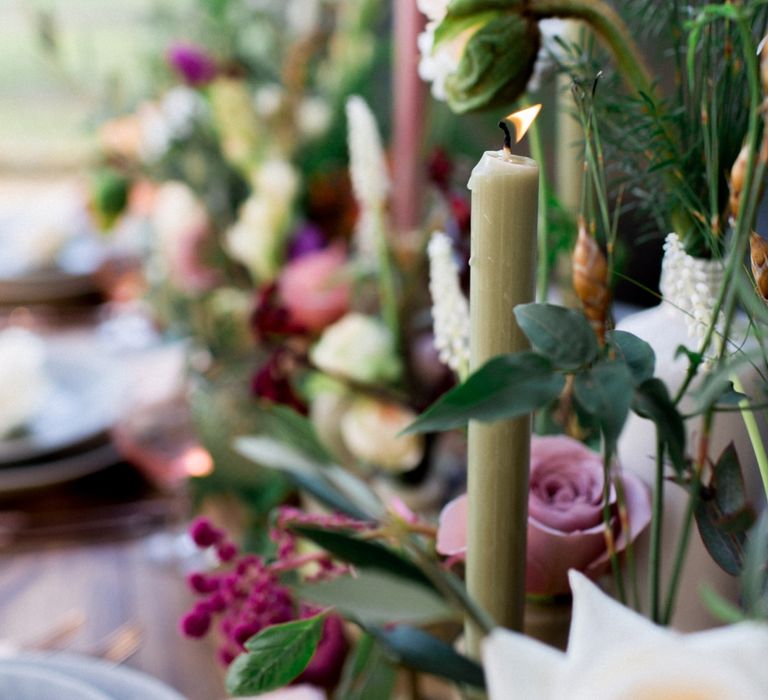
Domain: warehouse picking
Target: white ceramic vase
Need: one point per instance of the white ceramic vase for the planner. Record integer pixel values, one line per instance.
(689, 286)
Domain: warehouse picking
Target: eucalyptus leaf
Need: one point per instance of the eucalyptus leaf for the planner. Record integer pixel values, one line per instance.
(605, 391)
(635, 352)
(507, 386)
(352, 495)
(275, 656)
(369, 674)
(376, 598)
(364, 554)
(723, 514)
(423, 652)
(564, 336)
(651, 400)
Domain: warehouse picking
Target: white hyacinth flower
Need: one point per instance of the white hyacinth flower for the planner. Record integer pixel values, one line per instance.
(450, 309)
(616, 654)
(690, 285)
(368, 171)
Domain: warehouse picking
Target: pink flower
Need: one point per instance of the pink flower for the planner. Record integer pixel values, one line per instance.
(315, 289)
(565, 515)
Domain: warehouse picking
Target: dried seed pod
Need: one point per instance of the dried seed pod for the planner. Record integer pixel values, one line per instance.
(758, 253)
(590, 280)
(738, 173)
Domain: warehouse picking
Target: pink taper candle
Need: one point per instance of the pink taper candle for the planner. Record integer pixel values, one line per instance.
(410, 99)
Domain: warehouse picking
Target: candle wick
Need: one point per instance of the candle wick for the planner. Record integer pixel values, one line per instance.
(507, 138)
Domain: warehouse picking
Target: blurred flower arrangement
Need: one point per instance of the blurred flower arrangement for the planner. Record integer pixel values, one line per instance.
(347, 361)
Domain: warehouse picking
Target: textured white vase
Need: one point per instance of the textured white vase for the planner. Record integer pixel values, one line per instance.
(689, 286)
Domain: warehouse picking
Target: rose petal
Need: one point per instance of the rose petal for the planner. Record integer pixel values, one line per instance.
(638, 504)
(314, 289)
(452, 528)
(552, 553)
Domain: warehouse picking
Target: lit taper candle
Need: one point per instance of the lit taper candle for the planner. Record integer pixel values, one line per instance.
(503, 268)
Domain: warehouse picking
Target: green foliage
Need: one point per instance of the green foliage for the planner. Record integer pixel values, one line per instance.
(369, 674)
(652, 401)
(364, 554)
(423, 652)
(275, 656)
(635, 353)
(723, 514)
(375, 598)
(505, 387)
(605, 392)
(562, 335)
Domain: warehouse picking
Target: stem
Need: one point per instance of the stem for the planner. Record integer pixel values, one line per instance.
(685, 535)
(611, 29)
(607, 517)
(542, 271)
(607, 24)
(387, 286)
(656, 531)
(753, 430)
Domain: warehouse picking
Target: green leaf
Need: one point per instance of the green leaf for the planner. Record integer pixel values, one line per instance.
(605, 391)
(562, 335)
(652, 401)
(364, 554)
(636, 354)
(423, 652)
(275, 656)
(723, 514)
(368, 673)
(720, 608)
(376, 598)
(507, 386)
(352, 495)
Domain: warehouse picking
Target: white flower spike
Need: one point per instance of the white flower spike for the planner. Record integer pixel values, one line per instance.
(450, 309)
(368, 170)
(616, 654)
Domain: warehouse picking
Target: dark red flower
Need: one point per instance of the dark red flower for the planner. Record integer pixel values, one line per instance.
(273, 381)
(270, 319)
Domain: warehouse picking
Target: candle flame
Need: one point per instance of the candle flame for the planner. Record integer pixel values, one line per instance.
(522, 120)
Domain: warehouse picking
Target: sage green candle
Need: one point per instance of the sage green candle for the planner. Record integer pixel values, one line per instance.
(503, 263)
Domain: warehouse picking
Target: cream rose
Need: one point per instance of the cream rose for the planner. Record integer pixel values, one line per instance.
(358, 347)
(370, 431)
(616, 654)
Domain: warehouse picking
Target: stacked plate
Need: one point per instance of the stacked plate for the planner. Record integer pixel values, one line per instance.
(65, 676)
(68, 436)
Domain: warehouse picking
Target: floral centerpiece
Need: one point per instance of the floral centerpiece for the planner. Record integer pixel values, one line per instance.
(342, 382)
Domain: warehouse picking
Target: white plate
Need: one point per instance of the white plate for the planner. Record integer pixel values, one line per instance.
(116, 682)
(20, 681)
(57, 471)
(83, 403)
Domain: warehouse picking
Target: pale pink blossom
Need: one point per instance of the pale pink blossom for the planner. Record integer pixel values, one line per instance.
(565, 515)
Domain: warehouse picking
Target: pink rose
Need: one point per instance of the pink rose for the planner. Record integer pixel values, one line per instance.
(315, 289)
(565, 515)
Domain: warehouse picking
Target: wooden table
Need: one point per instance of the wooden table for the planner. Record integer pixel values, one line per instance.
(112, 576)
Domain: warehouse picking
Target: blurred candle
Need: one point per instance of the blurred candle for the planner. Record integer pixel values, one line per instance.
(503, 263)
(410, 99)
